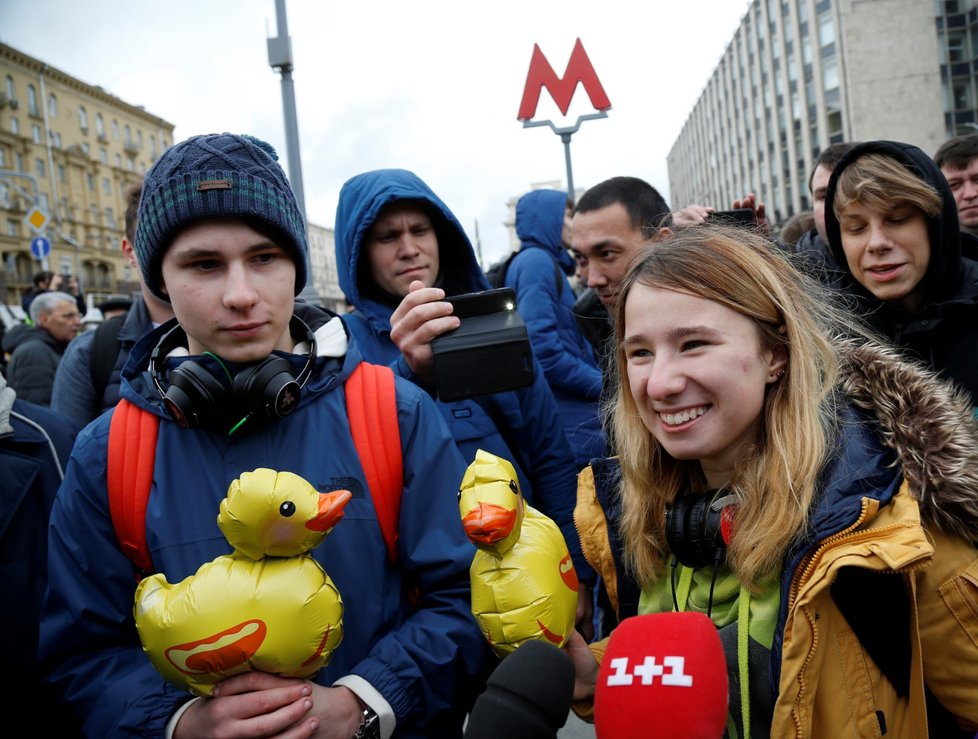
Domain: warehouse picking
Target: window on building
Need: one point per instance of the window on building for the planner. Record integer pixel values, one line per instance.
(39, 168)
(115, 130)
(956, 46)
(52, 106)
(62, 175)
(103, 155)
(130, 164)
(3, 158)
(99, 126)
(19, 161)
(4, 195)
(139, 140)
(830, 75)
(91, 181)
(82, 119)
(152, 147)
(56, 139)
(93, 214)
(11, 91)
(85, 147)
(13, 227)
(109, 218)
(36, 133)
(32, 101)
(44, 201)
(961, 90)
(106, 186)
(826, 30)
(14, 125)
(128, 139)
(118, 160)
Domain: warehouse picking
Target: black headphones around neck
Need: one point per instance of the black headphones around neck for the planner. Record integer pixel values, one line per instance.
(698, 527)
(194, 396)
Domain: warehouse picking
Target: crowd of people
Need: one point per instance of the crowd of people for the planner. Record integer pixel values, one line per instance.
(773, 425)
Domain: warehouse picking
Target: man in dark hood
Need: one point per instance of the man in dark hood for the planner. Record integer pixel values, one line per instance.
(892, 222)
(399, 252)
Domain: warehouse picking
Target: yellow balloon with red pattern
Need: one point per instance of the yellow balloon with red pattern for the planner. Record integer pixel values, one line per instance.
(524, 586)
(267, 606)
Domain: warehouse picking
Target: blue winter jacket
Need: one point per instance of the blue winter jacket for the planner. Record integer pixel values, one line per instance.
(523, 426)
(419, 659)
(546, 306)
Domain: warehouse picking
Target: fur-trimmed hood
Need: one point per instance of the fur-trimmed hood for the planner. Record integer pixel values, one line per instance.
(929, 424)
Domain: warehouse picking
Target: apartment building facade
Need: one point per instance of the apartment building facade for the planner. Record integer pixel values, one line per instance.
(799, 75)
(68, 152)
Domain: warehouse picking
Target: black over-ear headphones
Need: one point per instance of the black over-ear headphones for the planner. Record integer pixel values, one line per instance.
(195, 397)
(698, 527)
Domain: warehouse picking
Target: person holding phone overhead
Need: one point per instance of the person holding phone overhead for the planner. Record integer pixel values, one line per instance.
(801, 483)
(400, 251)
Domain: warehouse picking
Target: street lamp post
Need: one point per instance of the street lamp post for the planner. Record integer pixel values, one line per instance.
(280, 58)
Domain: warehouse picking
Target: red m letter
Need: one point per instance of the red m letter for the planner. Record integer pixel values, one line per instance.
(542, 75)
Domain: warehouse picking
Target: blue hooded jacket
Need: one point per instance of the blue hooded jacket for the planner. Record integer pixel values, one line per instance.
(520, 425)
(566, 356)
(420, 659)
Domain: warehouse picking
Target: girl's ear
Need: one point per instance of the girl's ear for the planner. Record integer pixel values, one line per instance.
(778, 364)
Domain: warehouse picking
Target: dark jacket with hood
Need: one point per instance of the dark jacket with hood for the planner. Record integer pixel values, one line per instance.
(408, 632)
(523, 426)
(34, 446)
(567, 358)
(944, 332)
(34, 358)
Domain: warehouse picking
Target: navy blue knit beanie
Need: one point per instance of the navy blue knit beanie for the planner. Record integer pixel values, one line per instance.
(215, 176)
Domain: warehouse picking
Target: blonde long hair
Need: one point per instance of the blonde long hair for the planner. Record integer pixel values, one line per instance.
(775, 482)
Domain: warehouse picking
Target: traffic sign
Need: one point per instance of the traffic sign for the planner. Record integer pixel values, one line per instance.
(37, 219)
(40, 247)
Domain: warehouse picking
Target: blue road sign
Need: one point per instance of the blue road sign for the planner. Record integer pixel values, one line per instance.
(40, 247)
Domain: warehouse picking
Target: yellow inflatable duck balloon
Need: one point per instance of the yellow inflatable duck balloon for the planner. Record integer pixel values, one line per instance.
(524, 586)
(267, 606)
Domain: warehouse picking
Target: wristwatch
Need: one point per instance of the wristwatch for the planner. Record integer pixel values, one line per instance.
(369, 725)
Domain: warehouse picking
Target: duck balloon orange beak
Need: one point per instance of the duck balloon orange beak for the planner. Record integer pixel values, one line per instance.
(331, 507)
(488, 523)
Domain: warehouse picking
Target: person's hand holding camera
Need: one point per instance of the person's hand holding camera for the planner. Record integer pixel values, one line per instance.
(422, 315)
(64, 283)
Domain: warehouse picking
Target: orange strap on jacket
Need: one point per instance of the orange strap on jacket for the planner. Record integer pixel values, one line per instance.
(131, 458)
(371, 404)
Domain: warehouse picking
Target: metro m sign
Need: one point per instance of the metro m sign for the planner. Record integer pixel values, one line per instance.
(542, 75)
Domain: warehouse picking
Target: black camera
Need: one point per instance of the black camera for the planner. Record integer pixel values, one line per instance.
(488, 353)
(744, 217)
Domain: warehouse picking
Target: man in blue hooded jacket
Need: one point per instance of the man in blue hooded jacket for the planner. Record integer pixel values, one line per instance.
(220, 237)
(543, 225)
(399, 252)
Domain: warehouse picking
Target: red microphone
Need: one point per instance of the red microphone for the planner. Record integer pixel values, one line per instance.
(663, 675)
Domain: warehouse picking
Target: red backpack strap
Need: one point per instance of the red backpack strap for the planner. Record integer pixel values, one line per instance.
(131, 458)
(371, 405)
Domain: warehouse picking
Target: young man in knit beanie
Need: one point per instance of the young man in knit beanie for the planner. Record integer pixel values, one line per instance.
(244, 377)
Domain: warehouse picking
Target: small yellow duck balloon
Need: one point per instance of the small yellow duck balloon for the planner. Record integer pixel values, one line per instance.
(267, 606)
(524, 586)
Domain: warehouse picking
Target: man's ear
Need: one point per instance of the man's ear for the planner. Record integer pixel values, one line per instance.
(662, 234)
(129, 253)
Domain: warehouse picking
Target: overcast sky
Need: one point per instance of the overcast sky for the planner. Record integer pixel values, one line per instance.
(432, 85)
